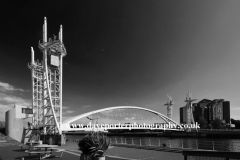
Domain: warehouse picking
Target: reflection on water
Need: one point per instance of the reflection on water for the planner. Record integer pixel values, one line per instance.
(195, 143)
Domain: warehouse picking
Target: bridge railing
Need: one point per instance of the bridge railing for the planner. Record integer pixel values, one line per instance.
(207, 155)
(221, 130)
(183, 144)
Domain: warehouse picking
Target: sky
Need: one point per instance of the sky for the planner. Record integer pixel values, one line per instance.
(125, 53)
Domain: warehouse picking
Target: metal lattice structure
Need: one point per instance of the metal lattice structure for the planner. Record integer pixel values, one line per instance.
(189, 100)
(169, 105)
(47, 83)
(37, 92)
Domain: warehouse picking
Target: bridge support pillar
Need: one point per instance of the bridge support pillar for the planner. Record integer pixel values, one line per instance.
(63, 139)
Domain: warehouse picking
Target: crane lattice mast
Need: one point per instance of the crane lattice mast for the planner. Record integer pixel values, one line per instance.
(189, 100)
(169, 105)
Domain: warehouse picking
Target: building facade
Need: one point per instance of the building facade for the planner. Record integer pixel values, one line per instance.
(16, 121)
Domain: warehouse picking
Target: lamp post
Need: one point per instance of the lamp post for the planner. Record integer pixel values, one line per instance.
(93, 122)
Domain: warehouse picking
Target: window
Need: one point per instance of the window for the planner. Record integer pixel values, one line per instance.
(27, 110)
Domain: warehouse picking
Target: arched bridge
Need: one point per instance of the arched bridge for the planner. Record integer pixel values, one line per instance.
(119, 117)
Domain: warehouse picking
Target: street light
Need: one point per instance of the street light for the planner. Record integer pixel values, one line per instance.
(93, 121)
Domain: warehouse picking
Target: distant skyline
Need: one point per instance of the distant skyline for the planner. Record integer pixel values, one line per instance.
(125, 53)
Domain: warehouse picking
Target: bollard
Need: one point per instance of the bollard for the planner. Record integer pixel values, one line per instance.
(159, 142)
(140, 142)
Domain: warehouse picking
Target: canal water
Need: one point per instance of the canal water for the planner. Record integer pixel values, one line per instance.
(194, 143)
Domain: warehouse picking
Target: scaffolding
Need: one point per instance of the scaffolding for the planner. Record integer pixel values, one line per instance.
(47, 83)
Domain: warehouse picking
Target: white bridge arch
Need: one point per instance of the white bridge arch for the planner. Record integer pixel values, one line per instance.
(66, 124)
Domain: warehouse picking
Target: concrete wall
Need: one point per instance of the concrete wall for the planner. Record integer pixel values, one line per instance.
(15, 126)
(19, 113)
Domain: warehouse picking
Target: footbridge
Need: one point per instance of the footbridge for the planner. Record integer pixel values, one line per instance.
(120, 117)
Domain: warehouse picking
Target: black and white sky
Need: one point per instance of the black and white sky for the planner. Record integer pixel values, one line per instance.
(125, 53)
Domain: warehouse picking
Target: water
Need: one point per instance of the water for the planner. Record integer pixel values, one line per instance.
(195, 143)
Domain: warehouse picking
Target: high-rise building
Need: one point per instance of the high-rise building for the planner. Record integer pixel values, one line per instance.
(209, 110)
(201, 109)
(183, 114)
(219, 109)
(226, 111)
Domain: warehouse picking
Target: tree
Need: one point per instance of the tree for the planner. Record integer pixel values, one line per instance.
(2, 124)
(217, 124)
(209, 126)
(236, 122)
(202, 122)
(2, 127)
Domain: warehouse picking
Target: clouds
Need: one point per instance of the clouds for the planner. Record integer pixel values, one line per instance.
(69, 111)
(8, 87)
(66, 110)
(8, 99)
(88, 106)
(11, 99)
(4, 108)
(65, 107)
(84, 108)
(66, 118)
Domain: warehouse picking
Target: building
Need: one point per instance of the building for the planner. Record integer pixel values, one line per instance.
(209, 110)
(219, 109)
(16, 120)
(183, 116)
(201, 109)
